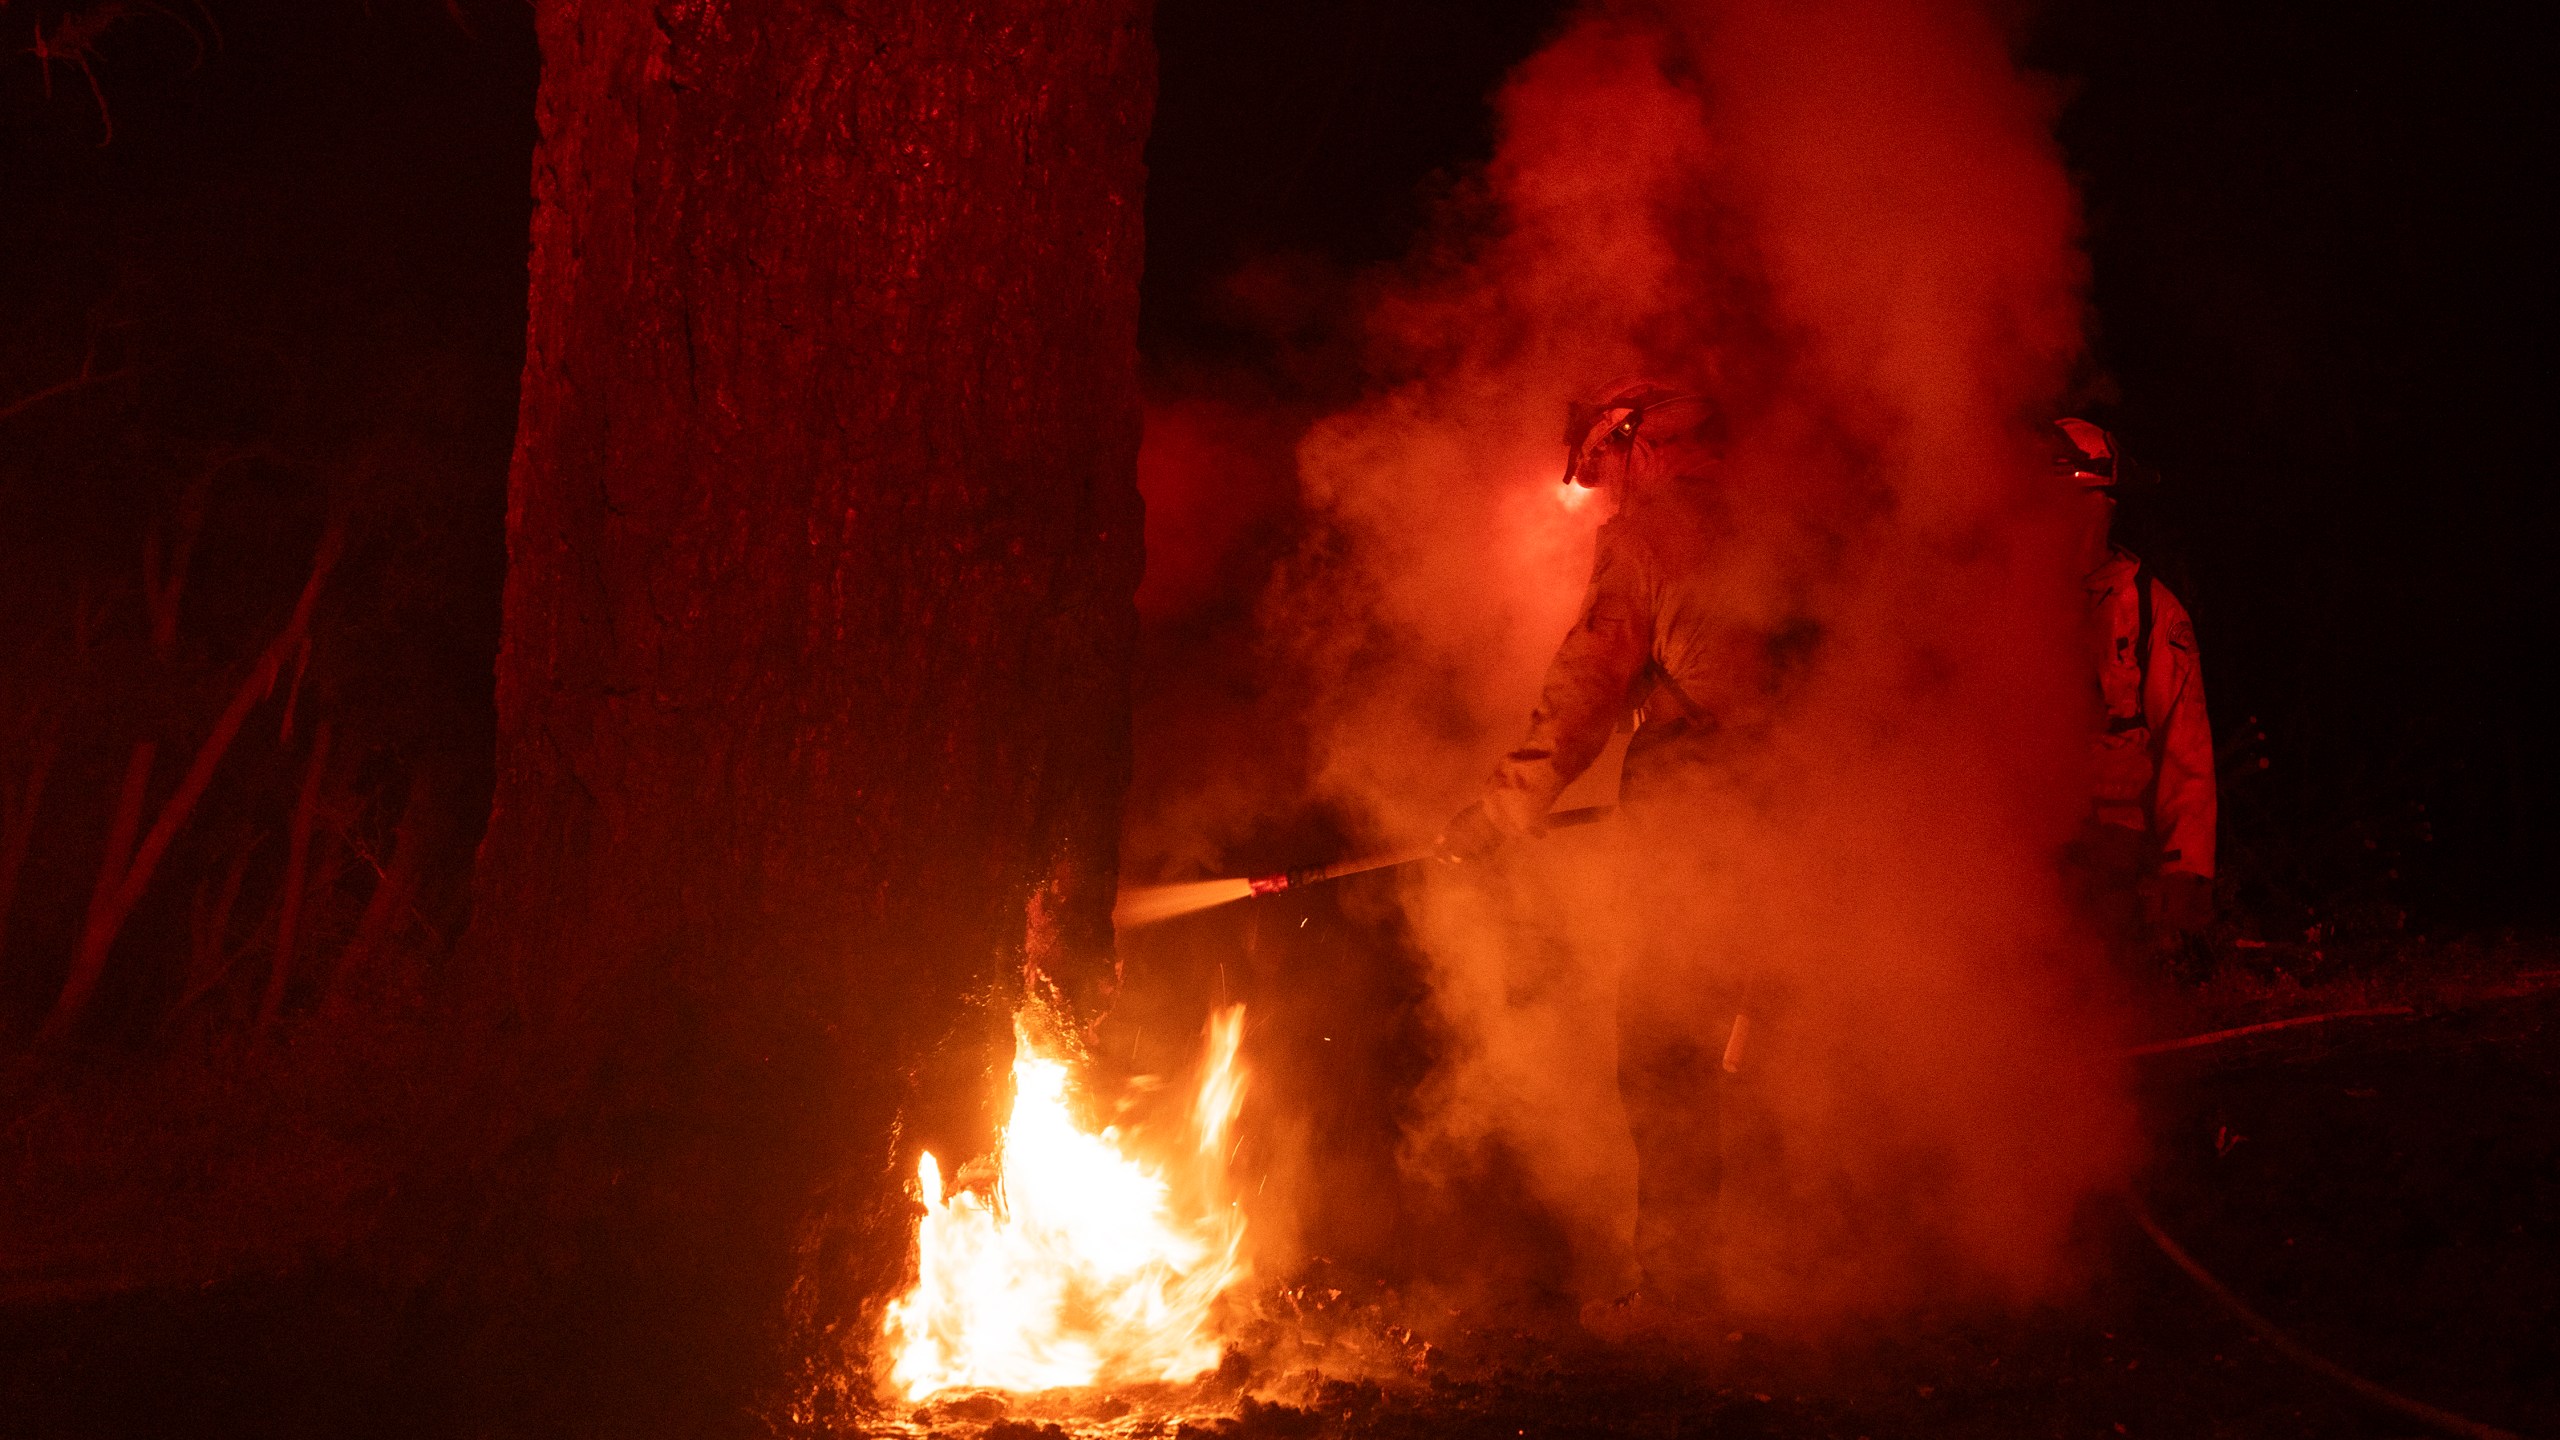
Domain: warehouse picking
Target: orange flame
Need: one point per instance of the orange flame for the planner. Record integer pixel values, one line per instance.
(1084, 1269)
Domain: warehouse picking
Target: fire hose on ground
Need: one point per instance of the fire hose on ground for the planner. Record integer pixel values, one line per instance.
(1149, 904)
(2444, 1421)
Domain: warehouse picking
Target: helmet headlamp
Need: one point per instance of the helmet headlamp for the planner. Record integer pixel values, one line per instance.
(2084, 454)
(1666, 415)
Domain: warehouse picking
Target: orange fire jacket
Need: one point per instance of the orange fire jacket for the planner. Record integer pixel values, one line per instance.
(1664, 631)
(1658, 631)
(2154, 747)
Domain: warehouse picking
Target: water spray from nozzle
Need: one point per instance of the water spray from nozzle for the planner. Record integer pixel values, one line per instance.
(1148, 904)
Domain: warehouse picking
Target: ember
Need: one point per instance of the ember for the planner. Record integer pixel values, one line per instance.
(1086, 1264)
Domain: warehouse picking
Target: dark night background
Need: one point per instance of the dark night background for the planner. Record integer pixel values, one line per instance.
(2316, 290)
(297, 273)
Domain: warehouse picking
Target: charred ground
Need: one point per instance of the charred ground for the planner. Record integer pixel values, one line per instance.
(2378, 1187)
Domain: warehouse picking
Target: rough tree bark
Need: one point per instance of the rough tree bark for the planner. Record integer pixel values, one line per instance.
(822, 541)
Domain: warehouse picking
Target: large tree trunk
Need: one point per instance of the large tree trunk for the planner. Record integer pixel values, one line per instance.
(822, 538)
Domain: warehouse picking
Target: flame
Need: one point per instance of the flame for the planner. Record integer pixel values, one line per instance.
(1085, 1268)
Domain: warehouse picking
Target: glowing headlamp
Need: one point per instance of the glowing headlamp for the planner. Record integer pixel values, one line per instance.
(2084, 454)
(1587, 426)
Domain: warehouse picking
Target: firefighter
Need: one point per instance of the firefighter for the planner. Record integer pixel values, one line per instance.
(1656, 636)
(2143, 864)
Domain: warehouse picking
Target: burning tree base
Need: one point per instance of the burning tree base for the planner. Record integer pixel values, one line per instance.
(1307, 1357)
(1077, 1262)
(2443, 1118)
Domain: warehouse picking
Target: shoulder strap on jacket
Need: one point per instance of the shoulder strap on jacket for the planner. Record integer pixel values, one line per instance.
(2142, 629)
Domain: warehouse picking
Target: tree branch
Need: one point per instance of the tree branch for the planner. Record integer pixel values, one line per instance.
(59, 388)
(98, 936)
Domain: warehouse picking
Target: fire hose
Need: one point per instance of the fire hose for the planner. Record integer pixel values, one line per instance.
(2444, 1421)
(1148, 904)
(2433, 1417)
(1299, 879)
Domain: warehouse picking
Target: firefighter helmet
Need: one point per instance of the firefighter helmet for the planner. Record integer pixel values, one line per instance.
(1649, 407)
(2084, 453)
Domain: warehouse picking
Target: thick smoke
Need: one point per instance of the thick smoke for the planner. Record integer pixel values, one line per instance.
(1849, 222)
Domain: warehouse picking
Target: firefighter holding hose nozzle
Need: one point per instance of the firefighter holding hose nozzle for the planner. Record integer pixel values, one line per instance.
(2143, 864)
(1703, 670)
(1705, 666)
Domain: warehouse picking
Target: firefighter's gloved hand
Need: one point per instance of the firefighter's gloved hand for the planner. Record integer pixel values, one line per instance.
(1472, 835)
(2178, 904)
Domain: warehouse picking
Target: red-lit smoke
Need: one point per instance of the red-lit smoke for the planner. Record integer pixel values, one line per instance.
(1848, 219)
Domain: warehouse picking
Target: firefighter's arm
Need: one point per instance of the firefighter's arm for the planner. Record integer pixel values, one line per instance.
(1585, 692)
(2183, 804)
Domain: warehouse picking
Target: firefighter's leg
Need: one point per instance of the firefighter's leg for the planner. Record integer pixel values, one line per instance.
(1670, 1074)
(2103, 870)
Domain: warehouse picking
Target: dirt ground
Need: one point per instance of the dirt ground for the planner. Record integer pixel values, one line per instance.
(2384, 1188)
